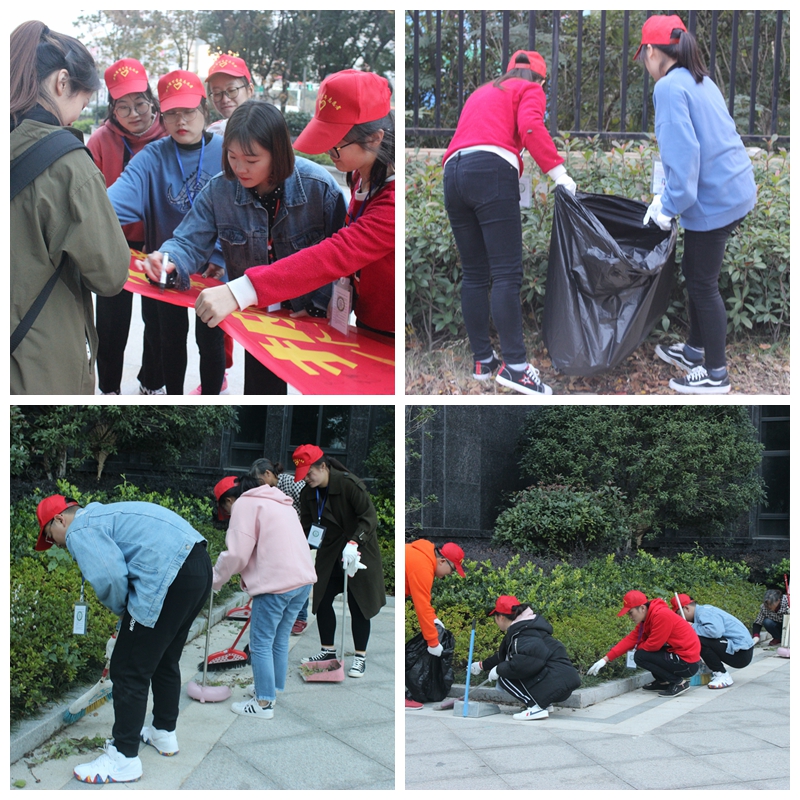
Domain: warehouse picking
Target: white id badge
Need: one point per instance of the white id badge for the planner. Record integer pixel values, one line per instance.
(659, 176)
(525, 191)
(315, 535)
(629, 662)
(341, 305)
(79, 618)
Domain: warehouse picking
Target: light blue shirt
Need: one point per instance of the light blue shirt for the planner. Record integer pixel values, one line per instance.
(130, 553)
(714, 623)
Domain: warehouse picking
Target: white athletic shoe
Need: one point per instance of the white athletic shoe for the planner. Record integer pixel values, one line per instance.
(166, 742)
(534, 712)
(251, 708)
(719, 680)
(110, 767)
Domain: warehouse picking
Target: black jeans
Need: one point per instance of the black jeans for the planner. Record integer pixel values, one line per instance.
(664, 665)
(326, 615)
(712, 651)
(260, 380)
(150, 656)
(481, 195)
(703, 252)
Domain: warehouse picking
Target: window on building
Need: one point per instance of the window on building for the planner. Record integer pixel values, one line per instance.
(327, 427)
(773, 516)
(248, 442)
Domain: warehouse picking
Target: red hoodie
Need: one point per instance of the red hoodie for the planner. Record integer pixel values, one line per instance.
(107, 145)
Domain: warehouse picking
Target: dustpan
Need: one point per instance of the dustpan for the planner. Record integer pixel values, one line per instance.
(240, 613)
(207, 694)
(331, 670)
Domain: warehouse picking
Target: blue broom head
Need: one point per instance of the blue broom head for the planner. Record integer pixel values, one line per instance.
(88, 703)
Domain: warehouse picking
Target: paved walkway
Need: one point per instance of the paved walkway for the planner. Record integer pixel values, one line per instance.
(736, 738)
(323, 735)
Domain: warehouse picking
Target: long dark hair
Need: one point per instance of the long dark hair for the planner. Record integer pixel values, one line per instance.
(37, 52)
(262, 465)
(525, 73)
(384, 154)
(685, 52)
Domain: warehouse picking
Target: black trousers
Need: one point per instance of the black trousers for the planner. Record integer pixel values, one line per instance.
(664, 665)
(145, 657)
(259, 380)
(712, 651)
(326, 615)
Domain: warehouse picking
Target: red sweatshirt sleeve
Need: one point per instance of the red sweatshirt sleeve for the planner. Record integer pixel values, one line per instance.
(419, 583)
(624, 645)
(531, 128)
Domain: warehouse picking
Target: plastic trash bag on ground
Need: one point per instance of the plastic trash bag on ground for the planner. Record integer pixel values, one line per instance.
(429, 678)
(608, 281)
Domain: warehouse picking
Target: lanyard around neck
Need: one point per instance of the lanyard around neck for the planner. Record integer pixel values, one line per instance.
(197, 186)
(348, 221)
(321, 507)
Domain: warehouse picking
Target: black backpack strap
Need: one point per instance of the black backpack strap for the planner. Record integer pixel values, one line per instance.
(24, 169)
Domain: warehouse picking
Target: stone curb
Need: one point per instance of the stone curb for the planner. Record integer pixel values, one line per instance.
(29, 734)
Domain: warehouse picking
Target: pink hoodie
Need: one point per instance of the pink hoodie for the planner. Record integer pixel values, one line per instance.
(266, 545)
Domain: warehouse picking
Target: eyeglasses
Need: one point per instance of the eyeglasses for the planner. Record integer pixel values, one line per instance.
(232, 92)
(187, 113)
(141, 108)
(337, 150)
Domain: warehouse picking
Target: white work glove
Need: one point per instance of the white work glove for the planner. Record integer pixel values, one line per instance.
(756, 638)
(436, 651)
(567, 183)
(597, 666)
(438, 622)
(110, 646)
(654, 212)
(351, 559)
(476, 668)
(493, 674)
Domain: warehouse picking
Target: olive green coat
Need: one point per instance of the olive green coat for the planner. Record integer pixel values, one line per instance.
(348, 514)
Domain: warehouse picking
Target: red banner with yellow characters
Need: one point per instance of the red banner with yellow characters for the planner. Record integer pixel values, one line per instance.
(307, 353)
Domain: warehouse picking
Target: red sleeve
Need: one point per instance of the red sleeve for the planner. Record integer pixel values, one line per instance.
(350, 249)
(531, 128)
(624, 645)
(419, 583)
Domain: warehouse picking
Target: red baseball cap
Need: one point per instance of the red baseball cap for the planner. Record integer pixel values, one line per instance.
(45, 511)
(537, 63)
(504, 604)
(684, 598)
(180, 89)
(304, 457)
(452, 552)
(345, 98)
(658, 30)
(223, 486)
(631, 600)
(230, 65)
(126, 76)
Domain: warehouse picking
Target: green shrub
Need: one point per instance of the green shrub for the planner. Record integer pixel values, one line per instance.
(296, 121)
(776, 573)
(560, 520)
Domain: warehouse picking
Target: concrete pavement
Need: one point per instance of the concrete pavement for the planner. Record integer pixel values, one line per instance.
(735, 738)
(323, 735)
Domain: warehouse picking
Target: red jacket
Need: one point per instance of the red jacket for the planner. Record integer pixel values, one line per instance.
(662, 626)
(366, 245)
(511, 117)
(420, 572)
(107, 145)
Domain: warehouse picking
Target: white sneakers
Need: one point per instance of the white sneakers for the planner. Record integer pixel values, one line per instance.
(534, 712)
(251, 708)
(166, 742)
(719, 680)
(110, 767)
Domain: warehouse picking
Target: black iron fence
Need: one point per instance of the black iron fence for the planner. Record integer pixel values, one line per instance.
(594, 88)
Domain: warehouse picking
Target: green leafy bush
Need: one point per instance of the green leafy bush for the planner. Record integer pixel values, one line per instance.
(776, 573)
(296, 121)
(561, 519)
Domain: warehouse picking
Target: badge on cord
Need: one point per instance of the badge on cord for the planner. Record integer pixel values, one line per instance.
(316, 534)
(341, 305)
(629, 662)
(79, 615)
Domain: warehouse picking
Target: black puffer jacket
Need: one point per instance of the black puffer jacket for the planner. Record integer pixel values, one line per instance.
(529, 654)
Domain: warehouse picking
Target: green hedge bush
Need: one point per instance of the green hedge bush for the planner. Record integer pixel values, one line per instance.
(755, 274)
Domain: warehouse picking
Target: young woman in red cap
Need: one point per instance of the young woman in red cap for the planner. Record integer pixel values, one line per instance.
(62, 221)
(482, 167)
(531, 664)
(354, 124)
(229, 85)
(709, 185)
(133, 120)
(339, 519)
(159, 187)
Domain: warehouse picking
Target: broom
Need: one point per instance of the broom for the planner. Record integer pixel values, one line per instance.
(97, 695)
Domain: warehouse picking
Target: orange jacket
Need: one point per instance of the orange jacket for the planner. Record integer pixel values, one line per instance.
(420, 572)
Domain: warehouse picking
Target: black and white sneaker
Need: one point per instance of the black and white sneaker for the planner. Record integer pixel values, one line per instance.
(674, 689)
(323, 655)
(525, 381)
(483, 370)
(655, 686)
(674, 355)
(698, 381)
(359, 667)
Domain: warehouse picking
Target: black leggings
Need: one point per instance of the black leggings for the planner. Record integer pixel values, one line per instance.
(665, 666)
(151, 656)
(326, 616)
(712, 651)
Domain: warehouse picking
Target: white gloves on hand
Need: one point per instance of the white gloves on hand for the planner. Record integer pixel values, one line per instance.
(567, 183)
(756, 638)
(436, 651)
(493, 674)
(351, 559)
(597, 666)
(476, 668)
(654, 212)
(438, 622)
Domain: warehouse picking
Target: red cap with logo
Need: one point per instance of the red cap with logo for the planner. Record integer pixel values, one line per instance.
(345, 99)
(535, 62)
(658, 30)
(126, 76)
(45, 511)
(304, 457)
(504, 605)
(632, 599)
(452, 552)
(223, 486)
(684, 599)
(230, 65)
(180, 89)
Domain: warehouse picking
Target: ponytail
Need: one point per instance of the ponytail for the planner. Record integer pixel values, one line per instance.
(384, 154)
(525, 73)
(686, 53)
(37, 52)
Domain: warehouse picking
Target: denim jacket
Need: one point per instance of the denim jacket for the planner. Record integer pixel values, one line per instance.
(130, 552)
(312, 209)
(714, 623)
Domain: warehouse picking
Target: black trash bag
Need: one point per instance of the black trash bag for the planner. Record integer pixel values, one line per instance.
(609, 280)
(429, 678)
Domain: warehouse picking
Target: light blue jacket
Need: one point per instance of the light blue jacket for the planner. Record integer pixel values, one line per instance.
(709, 175)
(312, 209)
(714, 623)
(130, 553)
